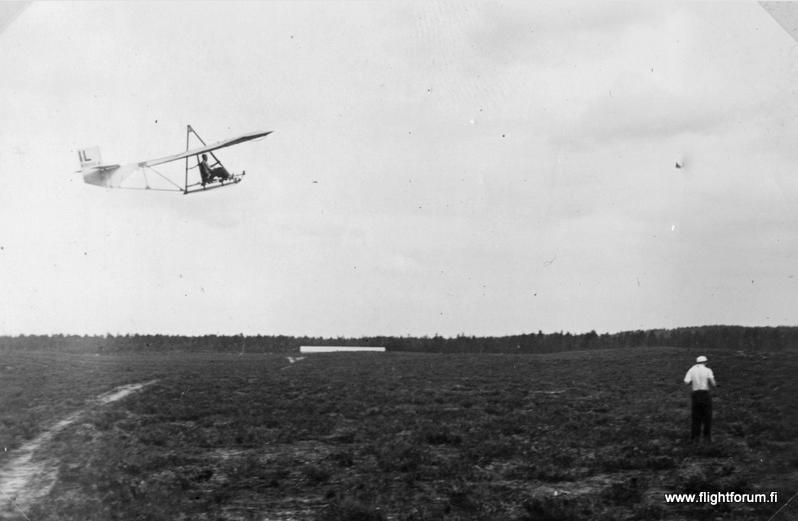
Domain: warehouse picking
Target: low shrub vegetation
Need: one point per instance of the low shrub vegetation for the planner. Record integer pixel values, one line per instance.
(579, 435)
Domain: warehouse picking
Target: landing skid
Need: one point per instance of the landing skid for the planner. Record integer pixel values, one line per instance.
(216, 183)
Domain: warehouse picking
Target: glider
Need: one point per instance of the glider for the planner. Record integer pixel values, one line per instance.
(213, 175)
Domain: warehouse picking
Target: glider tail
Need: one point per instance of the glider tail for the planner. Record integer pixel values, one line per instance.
(96, 173)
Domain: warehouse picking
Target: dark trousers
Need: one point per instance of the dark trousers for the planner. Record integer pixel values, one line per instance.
(220, 172)
(701, 415)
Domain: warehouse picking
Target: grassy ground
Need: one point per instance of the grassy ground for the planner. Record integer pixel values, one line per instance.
(587, 435)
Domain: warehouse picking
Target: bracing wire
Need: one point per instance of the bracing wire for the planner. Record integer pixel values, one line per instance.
(166, 178)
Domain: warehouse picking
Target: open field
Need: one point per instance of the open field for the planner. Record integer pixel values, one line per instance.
(579, 435)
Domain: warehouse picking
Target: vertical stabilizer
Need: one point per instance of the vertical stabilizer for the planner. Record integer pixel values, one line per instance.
(89, 157)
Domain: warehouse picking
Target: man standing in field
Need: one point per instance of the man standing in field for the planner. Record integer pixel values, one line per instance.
(700, 376)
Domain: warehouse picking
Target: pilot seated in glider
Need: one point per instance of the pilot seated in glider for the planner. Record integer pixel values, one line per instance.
(208, 174)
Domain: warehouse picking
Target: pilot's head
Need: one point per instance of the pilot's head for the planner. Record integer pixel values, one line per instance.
(204, 157)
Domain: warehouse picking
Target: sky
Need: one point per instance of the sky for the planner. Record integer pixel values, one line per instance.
(478, 168)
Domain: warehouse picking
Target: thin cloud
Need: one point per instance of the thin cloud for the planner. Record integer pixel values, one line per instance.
(643, 118)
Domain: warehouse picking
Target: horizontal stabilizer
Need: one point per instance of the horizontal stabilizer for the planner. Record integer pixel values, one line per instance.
(109, 176)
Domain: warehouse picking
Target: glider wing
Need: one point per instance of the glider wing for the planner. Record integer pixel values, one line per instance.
(207, 148)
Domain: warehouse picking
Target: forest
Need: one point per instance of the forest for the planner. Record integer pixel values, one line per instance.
(700, 337)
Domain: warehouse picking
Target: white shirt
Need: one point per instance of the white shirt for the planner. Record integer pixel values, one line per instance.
(700, 376)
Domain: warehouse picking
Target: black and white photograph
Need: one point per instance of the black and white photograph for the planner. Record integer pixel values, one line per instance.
(331, 260)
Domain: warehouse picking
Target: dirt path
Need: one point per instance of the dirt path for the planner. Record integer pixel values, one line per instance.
(24, 479)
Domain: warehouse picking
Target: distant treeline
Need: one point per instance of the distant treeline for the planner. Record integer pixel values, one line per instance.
(703, 337)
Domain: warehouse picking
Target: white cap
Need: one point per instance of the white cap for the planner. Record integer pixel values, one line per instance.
(701, 359)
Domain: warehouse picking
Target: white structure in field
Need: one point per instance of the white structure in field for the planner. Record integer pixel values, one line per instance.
(335, 349)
